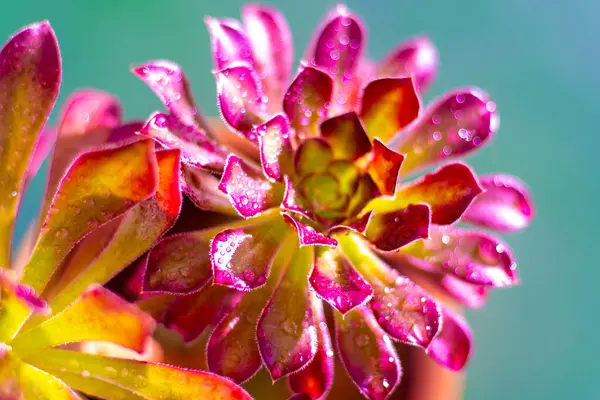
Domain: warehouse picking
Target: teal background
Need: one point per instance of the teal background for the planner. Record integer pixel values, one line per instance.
(538, 59)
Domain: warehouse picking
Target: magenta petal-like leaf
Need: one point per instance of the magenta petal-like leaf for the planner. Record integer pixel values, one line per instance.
(178, 264)
(468, 294)
(307, 235)
(170, 84)
(307, 100)
(452, 347)
(454, 125)
(416, 57)
(229, 43)
(272, 46)
(290, 201)
(405, 311)
(472, 256)
(241, 99)
(275, 146)
(201, 187)
(316, 379)
(392, 230)
(196, 148)
(249, 191)
(339, 44)
(504, 205)
(287, 335)
(367, 353)
(232, 350)
(89, 110)
(336, 281)
(346, 136)
(242, 257)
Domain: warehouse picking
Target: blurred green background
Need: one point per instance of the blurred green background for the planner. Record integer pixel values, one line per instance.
(538, 59)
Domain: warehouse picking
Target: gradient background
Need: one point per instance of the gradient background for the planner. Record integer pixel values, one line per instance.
(538, 59)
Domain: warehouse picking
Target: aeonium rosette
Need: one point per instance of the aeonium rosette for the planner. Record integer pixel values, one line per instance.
(317, 177)
(107, 185)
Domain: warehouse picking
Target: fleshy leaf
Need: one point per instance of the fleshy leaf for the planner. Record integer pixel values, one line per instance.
(346, 136)
(453, 126)
(472, 256)
(307, 235)
(97, 315)
(316, 378)
(137, 232)
(452, 347)
(232, 350)
(170, 84)
(86, 122)
(241, 258)
(196, 148)
(241, 99)
(392, 230)
(339, 43)
(504, 205)
(45, 144)
(30, 75)
(250, 193)
(16, 303)
(468, 294)
(401, 308)
(275, 146)
(191, 315)
(336, 281)
(312, 156)
(201, 187)
(92, 374)
(448, 191)
(287, 335)
(416, 57)
(23, 381)
(229, 43)
(291, 201)
(307, 100)
(388, 105)
(272, 46)
(384, 167)
(179, 264)
(368, 354)
(99, 186)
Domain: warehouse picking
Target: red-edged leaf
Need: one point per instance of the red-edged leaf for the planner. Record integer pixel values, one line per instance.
(307, 100)
(505, 204)
(241, 257)
(368, 354)
(307, 235)
(229, 43)
(384, 167)
(196, 148)
(287, 335)
(448, 191)
(99, 376)
(97, 315)
(275, 146)
(392, 230)
(336, 281)
(250, 193)
(170, 84)
(416, 57)
(317, 378)
(388, 105)
(452, 126)
(272, 47)
(401, 308)
(30, 75)
(241, 99)
(452, 347)
(472, 256)
(98, 187)
(139, 229)
(202, 188)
